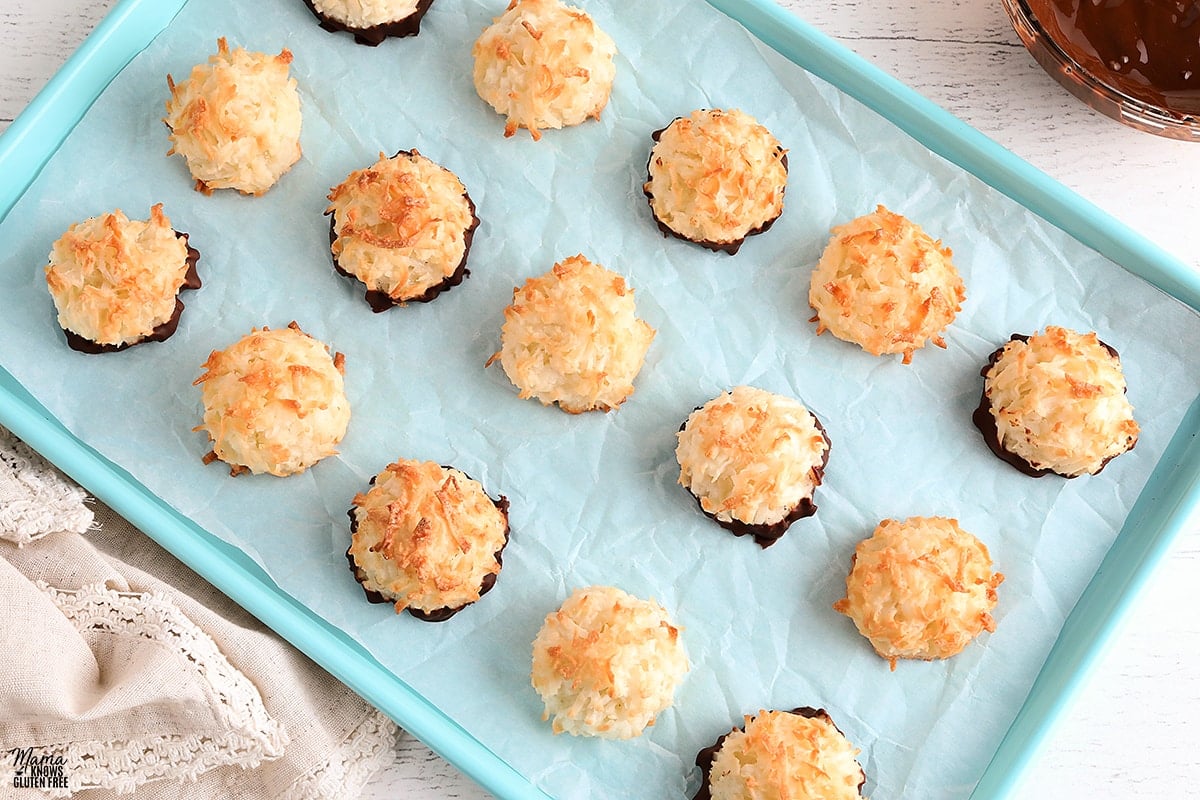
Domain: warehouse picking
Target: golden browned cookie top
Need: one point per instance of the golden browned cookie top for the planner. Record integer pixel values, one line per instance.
(274, 402)
(544, 64)
(920, 588)
(885, 285)
(607, 663)
(236, 120)
(572, 337)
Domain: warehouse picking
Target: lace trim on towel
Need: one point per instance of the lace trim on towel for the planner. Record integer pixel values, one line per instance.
(252, 737)
(368, 749)
(35, 500)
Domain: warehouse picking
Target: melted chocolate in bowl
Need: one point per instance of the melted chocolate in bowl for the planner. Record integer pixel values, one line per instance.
(1137, 61)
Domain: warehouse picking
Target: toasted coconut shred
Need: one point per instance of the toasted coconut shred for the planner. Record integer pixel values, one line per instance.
(366, 13)
(920, 588)
(783, 755)
(572, 337)
(113, 279)
(1059, 402)
(750, 455)
(274, 402)
(401, 224)
(426, 536)
(607, 663)
(236, 120)
(716, 176)
(543, 64)
(885, 285)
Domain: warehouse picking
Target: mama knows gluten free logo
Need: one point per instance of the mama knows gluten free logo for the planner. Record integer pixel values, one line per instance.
(33, 770)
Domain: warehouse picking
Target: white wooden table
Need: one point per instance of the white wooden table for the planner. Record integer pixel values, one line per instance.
(1135, 732)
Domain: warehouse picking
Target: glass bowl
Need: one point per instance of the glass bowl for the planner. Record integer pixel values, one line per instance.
(1137, 61)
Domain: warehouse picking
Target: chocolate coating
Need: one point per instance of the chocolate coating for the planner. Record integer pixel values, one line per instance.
(374, 35)
(1145, 49)
(160, 333)
(382, 301)
(705, 757)
(438, 614)
(768, 534)
(717, 247)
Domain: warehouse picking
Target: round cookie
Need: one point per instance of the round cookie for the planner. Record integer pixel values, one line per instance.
(607, 663)
(403, 227)
(426, 538)
(236, 120)
(921, 588)
(798, 753)
(885, 285)
(370, 21)
(716, 177)
(572, 337)
(1055, 402)
(115, 282)
(543, 65)
(752, 459)
(274, 402)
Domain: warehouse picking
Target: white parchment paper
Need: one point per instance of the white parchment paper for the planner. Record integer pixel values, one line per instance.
(594, 498)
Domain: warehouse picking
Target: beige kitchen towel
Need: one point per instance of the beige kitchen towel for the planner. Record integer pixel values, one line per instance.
(35, 500)
(123, 672)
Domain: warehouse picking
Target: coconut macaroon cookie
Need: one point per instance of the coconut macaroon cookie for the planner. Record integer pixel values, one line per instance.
(402, 226)
(572, 337)
(798, 753)
(543, 64)
(752, 459)
(426, 538)
(236, 120)
(1055, 402)
(885, 285)
(274, 402)
(716, 177)
(115, 282)
(370, 21)
(607, 663)
(920, 588)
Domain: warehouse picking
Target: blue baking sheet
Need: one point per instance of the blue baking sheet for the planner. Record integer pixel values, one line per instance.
(1159, 514)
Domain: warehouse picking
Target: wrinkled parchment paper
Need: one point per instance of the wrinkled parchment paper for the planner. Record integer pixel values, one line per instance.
(594, 498)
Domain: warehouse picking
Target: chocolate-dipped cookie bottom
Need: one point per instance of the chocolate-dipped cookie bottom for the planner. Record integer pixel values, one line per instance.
(375, 34)
(437, 614)
(382, 301)
(732, 247)
(767, 534)
(704, 758)
(161, 332)
(985, 422)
